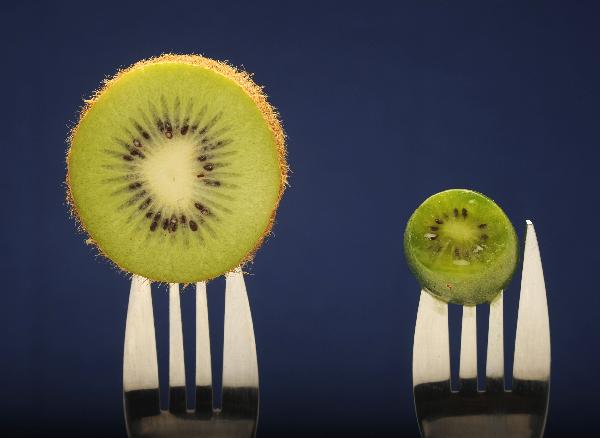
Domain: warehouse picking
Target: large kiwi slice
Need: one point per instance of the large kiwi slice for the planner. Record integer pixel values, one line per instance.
(176, 168)
(461, 247)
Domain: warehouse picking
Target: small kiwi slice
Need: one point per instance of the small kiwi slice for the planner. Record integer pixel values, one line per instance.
(461, 247)
(176, 168)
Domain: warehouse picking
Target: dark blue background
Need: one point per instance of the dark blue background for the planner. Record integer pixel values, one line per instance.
(383, 105)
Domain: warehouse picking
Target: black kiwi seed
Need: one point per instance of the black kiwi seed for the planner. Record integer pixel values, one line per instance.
(146, 203)
(165, 224)
(193, 226)
(212, 183)
(184, 129)
(439, 221)
(138, 153)
(482, 226)
(484, 237)
(456, 212)
(434, 228)
(203, 209)
(153, 225)
(209, 167)
(173, 225)
(127, 157)
(182, 219)
(168, 130)
(135, 185)
(149, 214)
(202, 158)
(137, 143)
(464, 212)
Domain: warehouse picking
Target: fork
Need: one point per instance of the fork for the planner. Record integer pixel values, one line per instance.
(238, 415)
(495, 411)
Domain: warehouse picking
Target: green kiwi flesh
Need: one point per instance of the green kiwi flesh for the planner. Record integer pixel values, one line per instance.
(176, 168)
(461, 247)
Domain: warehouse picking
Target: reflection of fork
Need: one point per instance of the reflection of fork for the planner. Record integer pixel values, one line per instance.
(239, 412)
(494, 412)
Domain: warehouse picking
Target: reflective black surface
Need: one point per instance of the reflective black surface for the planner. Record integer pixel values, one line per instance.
(519, 413)
(236, 418)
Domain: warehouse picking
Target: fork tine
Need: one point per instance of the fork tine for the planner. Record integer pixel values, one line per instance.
(204, 393)
(494, 368)
(431, 348)
(467, 373)
(177, 399)
(532, 343)
(240, 369)
(140, 367)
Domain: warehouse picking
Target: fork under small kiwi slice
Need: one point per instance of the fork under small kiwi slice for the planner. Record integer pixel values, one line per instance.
(461, 247)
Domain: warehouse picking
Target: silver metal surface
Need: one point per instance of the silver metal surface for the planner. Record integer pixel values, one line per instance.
(493, 411)
(237, 418)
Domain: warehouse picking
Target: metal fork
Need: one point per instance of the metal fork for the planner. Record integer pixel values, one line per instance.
(494, 412)
(238, 415)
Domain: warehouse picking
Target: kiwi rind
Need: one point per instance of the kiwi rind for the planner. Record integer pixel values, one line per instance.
(477, 287)
(248, 86)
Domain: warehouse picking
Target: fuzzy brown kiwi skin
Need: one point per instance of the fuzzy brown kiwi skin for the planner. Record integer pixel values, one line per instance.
(244, 80)
(480, 294)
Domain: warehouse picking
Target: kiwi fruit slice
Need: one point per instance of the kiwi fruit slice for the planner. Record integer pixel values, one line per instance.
(461, 247)
(176, 168)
